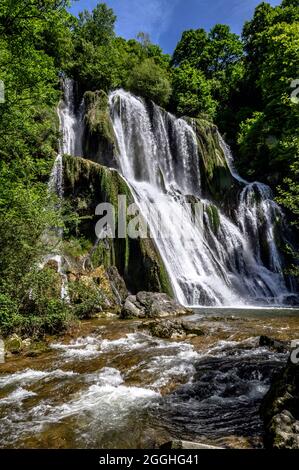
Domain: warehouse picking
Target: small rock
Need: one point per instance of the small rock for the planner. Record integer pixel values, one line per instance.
(192, 328)
(170, 329)
(27, 343)
(37, 348)
(132, 308)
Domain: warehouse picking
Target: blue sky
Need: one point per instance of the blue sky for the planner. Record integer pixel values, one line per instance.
(165, 20)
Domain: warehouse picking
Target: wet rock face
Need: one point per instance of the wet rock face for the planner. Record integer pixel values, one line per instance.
(117, 284)
(280, 410)
(151, 305)
(285, 428)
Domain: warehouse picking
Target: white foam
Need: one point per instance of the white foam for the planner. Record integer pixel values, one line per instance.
(31, 375)
(81, 348)
(17, 396)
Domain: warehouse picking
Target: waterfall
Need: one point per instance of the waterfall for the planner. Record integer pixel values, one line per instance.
(70, 142)
(71, 129)
(230, 159)
(71, 121)
(216, 262)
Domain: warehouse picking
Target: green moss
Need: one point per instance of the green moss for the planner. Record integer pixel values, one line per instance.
(217, 179)
(214, 217)
(76, 246)
(97, 116)
(157, 278)
(137, 260)
(99, 141)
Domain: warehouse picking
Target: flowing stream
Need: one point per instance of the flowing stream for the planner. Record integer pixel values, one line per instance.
(115, 386)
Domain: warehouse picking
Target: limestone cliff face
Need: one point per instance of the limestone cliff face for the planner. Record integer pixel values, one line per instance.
(87, 184)
(183, 161)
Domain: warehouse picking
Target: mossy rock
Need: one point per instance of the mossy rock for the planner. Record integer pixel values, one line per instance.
(137, 260)
(217, 180)
(99, 141)
(280, 409)
(14, 344)
(37, 349)
(214, 217)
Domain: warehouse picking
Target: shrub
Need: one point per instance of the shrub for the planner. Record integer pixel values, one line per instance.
(150, 81)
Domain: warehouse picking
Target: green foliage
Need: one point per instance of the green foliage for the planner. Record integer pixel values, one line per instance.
(191, 49)
(34, 43)
(214, 218)
(8, 314)
(268, 142)
(192, 92)
(97, 27)
(76, 247)
(86, 297)
(150, 81)
(288, 192)
(207, 67)
(35, 308)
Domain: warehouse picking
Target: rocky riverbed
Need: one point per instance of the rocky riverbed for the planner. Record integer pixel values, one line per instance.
(140, 383)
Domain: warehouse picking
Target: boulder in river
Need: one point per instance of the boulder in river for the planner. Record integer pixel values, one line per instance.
(152, 305)
(14, 344)
(173, 329)
(166, 329)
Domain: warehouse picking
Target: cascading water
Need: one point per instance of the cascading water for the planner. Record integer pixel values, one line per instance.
(71, 128)
(160, 159)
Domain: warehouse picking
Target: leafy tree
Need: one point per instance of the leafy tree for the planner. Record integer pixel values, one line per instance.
(97, 27)
(192, 49)
(150, 81)
(208, 64)
(192, 92)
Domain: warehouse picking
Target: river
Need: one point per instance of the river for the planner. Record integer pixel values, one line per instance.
(110, 384)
